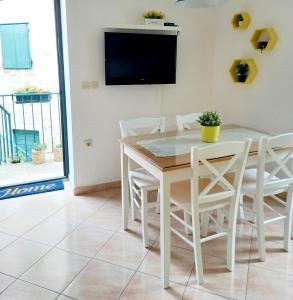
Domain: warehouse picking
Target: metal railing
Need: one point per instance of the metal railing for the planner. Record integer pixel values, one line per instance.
(28, 119)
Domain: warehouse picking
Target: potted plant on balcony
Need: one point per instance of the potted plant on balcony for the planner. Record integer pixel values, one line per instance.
(58, 153)
(242, 71)
(38, 153)
(154, 17)
(32, 94)
(210, 122)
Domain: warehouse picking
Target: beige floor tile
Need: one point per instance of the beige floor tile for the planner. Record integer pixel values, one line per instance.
(56, 270)
(25, 291)
(114, 199)
(123, 249)
(6, 239)
(268, 285)
(19, 256)
(75, 212)
(195, 294)
(108, 218)
(62, 297)
(181, 264)
(218, 247)
(86, 240)
(277, 259)
(99, 280)
(134, 229)
(19, 223)
(8, 208)
(5, 281)
(51, 231)
(218, 280)
(146, 287)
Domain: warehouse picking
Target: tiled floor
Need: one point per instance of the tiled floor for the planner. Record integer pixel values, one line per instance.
(57, 246)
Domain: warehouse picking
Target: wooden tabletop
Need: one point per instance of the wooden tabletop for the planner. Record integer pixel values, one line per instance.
(168, 163)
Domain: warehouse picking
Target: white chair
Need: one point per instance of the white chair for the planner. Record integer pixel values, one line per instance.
(140, 181)
(205, 195)
(184, 121)
(271, 177)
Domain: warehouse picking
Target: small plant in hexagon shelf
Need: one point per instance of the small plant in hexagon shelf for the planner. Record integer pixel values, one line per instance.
(38, 153)
(154, 17)
(242, 72)
(210, 122)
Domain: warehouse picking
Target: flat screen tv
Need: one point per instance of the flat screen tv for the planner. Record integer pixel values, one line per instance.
(132, 58)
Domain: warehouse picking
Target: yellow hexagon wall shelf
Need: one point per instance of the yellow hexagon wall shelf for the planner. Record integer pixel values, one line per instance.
(251, 73)
(264, 39)
(241, 20)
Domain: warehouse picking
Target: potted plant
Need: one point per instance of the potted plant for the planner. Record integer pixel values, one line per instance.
(38, 153)
(32, 94)
(210, 122)
(239, 20)
(154, 17)
(15, 159)
(58, 153)
(242, 72)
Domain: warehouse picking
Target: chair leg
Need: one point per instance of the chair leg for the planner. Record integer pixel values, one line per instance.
(197, 251)
(231, 241)
(205, 220)
(187, 219)
(158, 202)
(260, 228)
(241, 208)
(288, 222)
(133, 206)
(220, 218)
(144, 219)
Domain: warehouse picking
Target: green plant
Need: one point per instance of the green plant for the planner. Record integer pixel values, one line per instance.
(239, 19)
(242, 71)
(30, 89)
(153, 14)
(209, 118)
(39, 147)
(15, 159)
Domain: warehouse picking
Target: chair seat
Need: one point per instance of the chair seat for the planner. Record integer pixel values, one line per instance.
(143, 179)
(249, 183)
(180, 195)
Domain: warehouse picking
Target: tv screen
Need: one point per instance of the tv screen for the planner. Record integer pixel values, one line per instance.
(140, 58)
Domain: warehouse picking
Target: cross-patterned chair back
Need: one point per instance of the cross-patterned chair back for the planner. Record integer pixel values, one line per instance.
(143, 125)
(218, 191)
(184, 121)
(275, 158)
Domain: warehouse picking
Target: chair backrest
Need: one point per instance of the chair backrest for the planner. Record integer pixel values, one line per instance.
(145, 125)
(275, 153)
(232, 157)
(184, 121)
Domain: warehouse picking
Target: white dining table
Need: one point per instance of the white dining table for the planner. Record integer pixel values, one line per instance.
(167, 157)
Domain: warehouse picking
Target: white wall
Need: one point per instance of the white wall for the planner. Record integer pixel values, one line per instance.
(207, 47)
(267, 103)
(95, 113)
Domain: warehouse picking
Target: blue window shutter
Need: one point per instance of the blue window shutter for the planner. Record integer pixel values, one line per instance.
(15, 46)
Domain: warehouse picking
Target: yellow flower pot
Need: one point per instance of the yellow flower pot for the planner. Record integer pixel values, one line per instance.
(210, 134)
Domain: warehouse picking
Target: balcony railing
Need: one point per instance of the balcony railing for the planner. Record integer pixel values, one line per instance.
(28, 119)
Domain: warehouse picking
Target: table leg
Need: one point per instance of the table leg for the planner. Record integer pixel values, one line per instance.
(124, 188)
(165, 230)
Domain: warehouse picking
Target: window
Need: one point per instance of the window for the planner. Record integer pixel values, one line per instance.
(15, 46)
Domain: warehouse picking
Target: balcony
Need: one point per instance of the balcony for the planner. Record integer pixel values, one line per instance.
(26, 121)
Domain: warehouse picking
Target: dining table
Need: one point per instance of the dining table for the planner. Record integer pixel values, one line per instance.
(167, 157)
